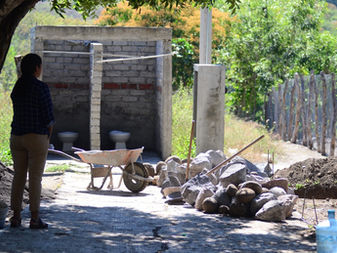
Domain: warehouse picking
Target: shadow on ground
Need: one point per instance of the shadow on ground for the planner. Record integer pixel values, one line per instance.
(113, 229)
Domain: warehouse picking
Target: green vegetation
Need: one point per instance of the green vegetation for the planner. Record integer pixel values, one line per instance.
(298, 186)
(270, 41)
(20, 44)
(58, 168)
(182, 109)
(5, 120)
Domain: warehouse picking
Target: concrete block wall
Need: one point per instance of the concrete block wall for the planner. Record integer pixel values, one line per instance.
(133, 97)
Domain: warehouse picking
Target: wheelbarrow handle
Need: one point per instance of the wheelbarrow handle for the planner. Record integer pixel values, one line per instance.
(58, 152)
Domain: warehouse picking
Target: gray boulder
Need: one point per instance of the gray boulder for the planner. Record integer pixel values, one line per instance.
(288, 201)
(199, 163)
(222, 197)
(273, 210)
(210, 205)
(234, 174)
(257, 203)
(192, 187)
(277, 191)
(203, 194)
(280, 182)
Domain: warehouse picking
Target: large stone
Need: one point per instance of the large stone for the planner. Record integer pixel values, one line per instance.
(222, 197)
(199, 163)
(231, 190)
(203, 194)
(234, 174)
(239, 209)
(261, 199)
(172, 169)
(159, 167)
(216, 157)
(192, 187)
(280, 182)
(150, 169)
(288, 201)
(245, 195)
(272, 211)
(257, 178)
(210, 205)
(174, 158)
(277, 191)
(170, 181)
(252, 185)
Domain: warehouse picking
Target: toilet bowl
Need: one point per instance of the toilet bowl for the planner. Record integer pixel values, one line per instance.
(119, 138)
(67, 139)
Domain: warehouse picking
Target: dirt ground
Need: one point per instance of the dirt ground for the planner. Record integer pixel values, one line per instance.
(312, 177)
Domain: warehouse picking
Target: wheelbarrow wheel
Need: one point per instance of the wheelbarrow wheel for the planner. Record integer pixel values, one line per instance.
(135, 185)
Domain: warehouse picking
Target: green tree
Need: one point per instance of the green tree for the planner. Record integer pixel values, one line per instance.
(13, 11)
(267, 45)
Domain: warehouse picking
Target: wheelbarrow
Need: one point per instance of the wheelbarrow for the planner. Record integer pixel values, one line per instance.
(134, 174)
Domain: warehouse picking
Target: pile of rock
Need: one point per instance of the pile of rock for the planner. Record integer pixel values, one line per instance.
(238, 189)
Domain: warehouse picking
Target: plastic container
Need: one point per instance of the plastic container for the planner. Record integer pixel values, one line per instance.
(326, 234)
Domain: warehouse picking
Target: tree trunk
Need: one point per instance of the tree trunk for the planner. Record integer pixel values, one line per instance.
(298, 110)
(11, 13)
(291, 111)
(324, 116)
(334, 108)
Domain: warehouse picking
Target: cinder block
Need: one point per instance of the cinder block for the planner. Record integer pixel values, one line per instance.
(120, 43)
(137, 80)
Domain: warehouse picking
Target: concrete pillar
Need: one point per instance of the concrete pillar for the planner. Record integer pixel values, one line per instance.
(37, 48)
(96, 50)
(205, 44)
(164, 99)
(210, 107)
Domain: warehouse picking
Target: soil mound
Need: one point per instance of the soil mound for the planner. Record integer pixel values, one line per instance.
(313, 178)
(6, 178)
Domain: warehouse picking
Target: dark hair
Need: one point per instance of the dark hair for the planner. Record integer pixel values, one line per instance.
(29, 63)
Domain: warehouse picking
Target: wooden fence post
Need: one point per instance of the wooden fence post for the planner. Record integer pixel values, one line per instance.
(298, 110)
(316, 118)
(309, 116)
(284, 111)
(280, 118)
(304, 113)
(291, 112)
(324, 116)
(334, 108)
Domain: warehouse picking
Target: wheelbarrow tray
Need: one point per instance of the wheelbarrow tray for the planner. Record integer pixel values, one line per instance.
(115, 157)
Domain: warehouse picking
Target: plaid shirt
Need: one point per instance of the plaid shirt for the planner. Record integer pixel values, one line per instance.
(32, 106)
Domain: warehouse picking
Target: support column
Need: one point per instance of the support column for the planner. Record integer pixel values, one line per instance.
(164, 99)
(205, 45)
(96, 50)
(211, 107)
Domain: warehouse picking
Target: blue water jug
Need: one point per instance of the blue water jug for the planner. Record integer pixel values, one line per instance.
(326, 234)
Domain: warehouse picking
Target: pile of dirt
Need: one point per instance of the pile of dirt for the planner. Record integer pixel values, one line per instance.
(6, 178)
(313, 178)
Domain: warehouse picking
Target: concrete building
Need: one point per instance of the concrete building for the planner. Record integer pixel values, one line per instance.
(92, 97)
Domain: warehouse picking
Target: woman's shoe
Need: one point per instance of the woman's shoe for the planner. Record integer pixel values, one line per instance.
(39, 224)
(15, 222)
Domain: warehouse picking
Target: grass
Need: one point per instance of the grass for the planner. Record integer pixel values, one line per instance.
(6, 114)
(58, 168)
(238, 132)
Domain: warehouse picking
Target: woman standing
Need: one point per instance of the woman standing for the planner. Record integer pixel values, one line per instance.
(32, 126)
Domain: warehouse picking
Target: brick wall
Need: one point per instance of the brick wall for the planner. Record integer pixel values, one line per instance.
(128, 92)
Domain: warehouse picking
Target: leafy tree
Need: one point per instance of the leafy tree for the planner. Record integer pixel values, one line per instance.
(13, 11)
(185, 24)
(270, 41)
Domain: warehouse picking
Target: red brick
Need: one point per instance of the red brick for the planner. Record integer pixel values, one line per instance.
(146, 86)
